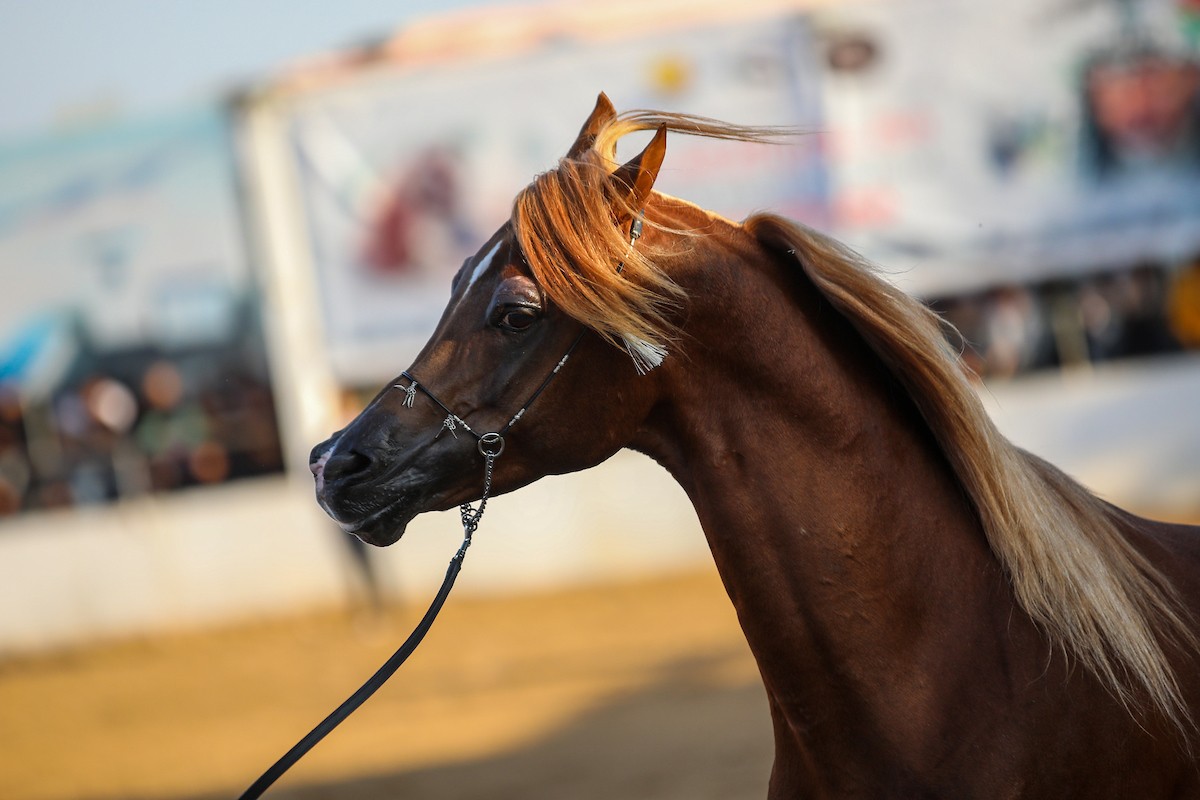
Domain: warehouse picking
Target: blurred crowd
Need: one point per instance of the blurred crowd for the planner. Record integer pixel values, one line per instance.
(153, 425)
(1145, 310)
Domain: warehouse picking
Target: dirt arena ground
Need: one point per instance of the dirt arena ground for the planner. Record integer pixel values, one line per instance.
(638, 690)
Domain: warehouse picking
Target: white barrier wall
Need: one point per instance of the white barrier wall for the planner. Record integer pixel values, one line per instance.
(187, 558)
(262, 547)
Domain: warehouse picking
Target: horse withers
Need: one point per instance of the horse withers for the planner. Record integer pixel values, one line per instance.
(934, 612)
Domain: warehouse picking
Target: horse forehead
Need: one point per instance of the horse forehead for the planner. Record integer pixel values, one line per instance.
(498, 260)
(478, 270)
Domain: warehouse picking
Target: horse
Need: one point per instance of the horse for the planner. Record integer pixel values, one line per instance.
(933, 611)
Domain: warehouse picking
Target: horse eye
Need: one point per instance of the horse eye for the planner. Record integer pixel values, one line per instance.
(517, 318)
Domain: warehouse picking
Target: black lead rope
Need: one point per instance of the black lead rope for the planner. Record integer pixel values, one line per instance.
(366, 690)
(470, 520)
(490, 446)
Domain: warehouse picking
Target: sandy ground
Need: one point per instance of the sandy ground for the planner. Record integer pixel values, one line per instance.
(638, 690)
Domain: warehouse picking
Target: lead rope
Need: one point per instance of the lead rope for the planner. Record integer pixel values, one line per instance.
(470, 522)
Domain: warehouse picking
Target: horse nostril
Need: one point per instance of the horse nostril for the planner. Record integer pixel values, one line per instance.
(345, 465)
(316, 457)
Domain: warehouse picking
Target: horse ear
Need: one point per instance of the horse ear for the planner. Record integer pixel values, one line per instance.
(601, 115)
(637, 177)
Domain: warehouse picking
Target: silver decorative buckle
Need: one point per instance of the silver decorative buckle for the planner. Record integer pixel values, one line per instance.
(410, 393)
(447, 425)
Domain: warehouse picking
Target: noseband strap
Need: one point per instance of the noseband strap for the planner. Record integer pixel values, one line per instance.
(453, 421)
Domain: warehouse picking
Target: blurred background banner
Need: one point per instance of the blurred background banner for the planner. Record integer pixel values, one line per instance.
(1069, 145)
(406, 167)
(116, 220)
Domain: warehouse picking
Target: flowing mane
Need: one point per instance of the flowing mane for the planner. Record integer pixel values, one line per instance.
(566, 217)
(1070, 568)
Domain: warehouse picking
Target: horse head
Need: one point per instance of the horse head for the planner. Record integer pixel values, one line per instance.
(422, 443)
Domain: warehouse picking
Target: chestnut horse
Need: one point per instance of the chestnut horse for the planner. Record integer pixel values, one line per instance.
(934, 612)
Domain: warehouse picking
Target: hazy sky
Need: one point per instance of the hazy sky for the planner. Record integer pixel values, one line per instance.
(64, 58)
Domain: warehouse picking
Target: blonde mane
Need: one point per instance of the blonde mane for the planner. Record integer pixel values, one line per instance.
(1071, 570)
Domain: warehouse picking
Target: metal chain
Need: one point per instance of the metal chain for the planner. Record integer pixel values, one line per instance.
(471, 516)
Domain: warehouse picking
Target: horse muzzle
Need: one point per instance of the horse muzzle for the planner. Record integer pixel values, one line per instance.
(349, 489)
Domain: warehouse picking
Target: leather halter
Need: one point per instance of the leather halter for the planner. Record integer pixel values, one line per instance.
(490, 446)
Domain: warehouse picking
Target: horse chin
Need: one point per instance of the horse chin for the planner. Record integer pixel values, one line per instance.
(380, 538)
(382, 531)
(381, 527)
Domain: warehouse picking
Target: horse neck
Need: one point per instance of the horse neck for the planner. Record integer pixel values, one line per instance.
(839, 531)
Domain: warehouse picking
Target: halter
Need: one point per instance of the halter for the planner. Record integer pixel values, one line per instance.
(490, 446)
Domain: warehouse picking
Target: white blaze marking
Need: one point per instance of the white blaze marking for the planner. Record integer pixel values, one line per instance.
(480, 268)
(483, 265)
